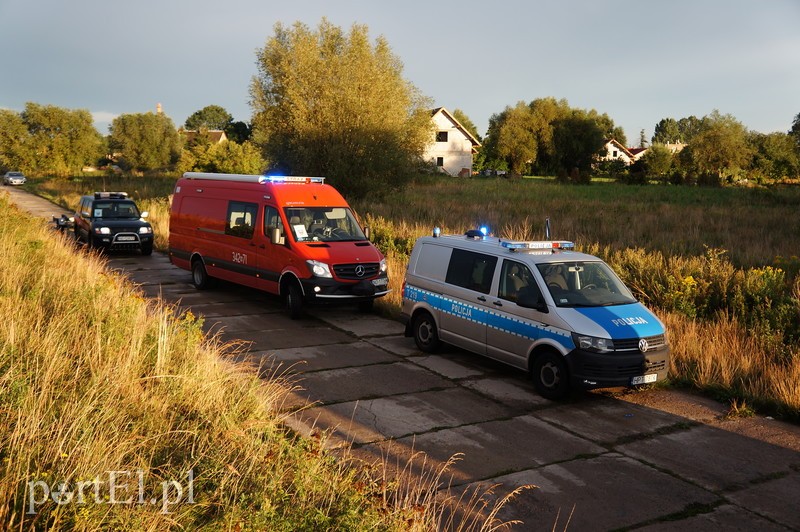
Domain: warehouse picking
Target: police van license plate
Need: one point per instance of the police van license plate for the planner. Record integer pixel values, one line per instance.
(644, 379)
(126, 238)
(380, 282)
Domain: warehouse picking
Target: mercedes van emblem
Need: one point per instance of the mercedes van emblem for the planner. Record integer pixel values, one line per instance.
(360, 273)
(643, 346)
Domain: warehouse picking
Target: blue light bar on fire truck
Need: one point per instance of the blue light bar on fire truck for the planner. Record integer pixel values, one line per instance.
(537, 245)
(248, 178)
(292, 179)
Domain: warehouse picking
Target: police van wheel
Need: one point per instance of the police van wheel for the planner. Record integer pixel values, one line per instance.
(425, 334)
(550, 375)
(294, 301)
(147, 249)
(200, 277)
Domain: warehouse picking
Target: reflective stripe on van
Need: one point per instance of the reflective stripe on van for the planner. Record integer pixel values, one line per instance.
(484, 316)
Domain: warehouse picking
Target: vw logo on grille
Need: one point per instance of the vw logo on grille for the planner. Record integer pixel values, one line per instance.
(643, 346)
(360, 273)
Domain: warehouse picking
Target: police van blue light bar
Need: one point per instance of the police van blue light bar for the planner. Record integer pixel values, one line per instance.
(539, 244)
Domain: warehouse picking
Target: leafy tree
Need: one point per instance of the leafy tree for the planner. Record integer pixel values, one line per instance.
(468, 124)
(60, 141)
(656, 161)
(719, 148)
(330, 102)
(775, 155)
(671, 131)
(795, 131)
(209, 117)
(15, 148)
(667, 132)
(545, 112)
(606, 125)
(690, 127)
(642, 139)
(238, 131)
(226, 157)
(146, 141)
(511, 137)
(578, 140)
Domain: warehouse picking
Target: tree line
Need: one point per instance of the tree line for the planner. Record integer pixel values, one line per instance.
(50, 140)
(333, 102)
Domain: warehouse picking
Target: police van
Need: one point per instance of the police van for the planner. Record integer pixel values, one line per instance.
(563, 316)
(287, 235)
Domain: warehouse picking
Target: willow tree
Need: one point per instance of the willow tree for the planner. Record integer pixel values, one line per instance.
(334, 103)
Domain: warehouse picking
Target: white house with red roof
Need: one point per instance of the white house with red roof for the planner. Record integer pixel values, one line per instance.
(614, 151)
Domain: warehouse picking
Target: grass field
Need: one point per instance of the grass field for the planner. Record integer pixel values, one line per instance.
(719, 264)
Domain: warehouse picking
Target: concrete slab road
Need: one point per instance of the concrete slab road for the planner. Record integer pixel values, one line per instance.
(656, 459)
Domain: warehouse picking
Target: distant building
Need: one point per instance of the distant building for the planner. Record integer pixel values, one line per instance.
(452, 147)
(215, 136)
(614, 151)
(675, 147)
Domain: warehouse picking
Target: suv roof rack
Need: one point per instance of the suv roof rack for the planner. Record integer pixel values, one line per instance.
(110, 195)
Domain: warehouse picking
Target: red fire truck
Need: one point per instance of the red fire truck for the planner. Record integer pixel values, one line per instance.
(286, 235)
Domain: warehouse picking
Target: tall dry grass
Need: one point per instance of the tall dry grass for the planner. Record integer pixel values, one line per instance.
(95, 379)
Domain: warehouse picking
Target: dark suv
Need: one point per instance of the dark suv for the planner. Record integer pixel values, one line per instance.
(110, 220)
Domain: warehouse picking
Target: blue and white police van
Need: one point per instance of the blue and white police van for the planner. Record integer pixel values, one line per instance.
(563, 316)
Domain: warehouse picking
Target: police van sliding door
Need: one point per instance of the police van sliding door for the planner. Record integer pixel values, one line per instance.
(466, 309)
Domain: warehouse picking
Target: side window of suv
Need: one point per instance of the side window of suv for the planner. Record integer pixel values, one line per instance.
(471, 270)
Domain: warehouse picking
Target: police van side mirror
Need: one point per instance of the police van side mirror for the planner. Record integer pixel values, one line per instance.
(528, 300)
(367, 233)
(145, 214)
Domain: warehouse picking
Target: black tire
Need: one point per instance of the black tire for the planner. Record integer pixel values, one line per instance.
(92, 244)
(294, 300)
(550, 375)
(426, 335)
(200, 277)
(147, 249)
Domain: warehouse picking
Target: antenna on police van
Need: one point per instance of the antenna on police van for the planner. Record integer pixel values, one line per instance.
(547, 228)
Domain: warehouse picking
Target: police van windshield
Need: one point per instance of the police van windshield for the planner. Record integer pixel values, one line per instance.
(115, 209)
(323, 224)
(584, 284)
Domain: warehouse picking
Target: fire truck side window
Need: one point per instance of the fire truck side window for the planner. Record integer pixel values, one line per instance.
(241, 219)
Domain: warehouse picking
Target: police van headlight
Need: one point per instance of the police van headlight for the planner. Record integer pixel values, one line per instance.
(592, 343)
(145, 230)
(102, 230)
(319, 269)
(383, 266)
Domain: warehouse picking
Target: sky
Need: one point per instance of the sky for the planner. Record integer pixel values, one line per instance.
(638, 62)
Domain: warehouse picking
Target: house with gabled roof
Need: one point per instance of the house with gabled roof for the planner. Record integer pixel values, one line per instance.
(452, 147)
(215, 136)
(614, 151)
